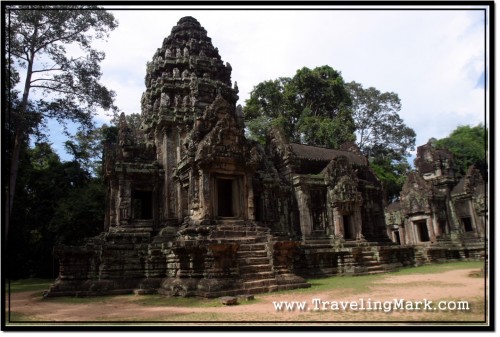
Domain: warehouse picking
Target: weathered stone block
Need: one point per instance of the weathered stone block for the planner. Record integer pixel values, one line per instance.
(229, 300)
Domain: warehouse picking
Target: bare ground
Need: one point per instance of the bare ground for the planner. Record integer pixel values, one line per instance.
(454, 285)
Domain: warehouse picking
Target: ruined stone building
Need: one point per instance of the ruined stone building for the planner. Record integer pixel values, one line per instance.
(437, 210)
(194, 208)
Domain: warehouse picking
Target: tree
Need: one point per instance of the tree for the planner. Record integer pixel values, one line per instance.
(380, 130)
(59, 203)
(382, 135)
(311, 108)
(67, 83)
(468, 146)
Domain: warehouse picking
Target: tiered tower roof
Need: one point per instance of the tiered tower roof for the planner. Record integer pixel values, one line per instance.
(184, 77)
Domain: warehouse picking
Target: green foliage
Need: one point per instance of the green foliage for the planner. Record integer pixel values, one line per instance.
(79, 215)
(57, 202)
(381, 131)
(39, 39)
(382, 135)
(392, 174)
(316, 107)
(311, 108)
(53, 46)
(468, 145)
(86, 147)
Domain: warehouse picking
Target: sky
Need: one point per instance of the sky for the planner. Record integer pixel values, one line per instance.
(434, 57)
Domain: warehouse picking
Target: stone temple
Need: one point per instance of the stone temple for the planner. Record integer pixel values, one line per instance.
(196, 209)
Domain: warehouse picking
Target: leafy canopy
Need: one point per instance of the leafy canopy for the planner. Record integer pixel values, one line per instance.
(313, 108)
(382, 135)
(468, 145)
(59, 203)
(54, 46)
(380, 131)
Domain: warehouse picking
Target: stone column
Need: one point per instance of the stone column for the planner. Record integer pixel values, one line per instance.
(124, 196)
(250, 197)
(303, 202)
(205, 194)
(338, 222)
(358, 223)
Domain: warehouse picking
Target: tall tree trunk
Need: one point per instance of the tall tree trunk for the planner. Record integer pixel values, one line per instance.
(18, 140)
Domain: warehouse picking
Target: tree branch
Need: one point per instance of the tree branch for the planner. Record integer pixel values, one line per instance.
(46, 79)
(59, 39)
(49, 69)
(54, 89)
(18, 56)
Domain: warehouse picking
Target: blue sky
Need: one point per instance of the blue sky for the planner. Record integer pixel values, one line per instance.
(432, 57)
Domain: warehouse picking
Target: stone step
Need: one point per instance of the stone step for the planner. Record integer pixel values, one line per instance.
(371, 263)
(243, 239)
(259, 283)
(260, 290)
(253, 261)
(251, 254)
(255, 268)
(244, 247)
(241, 228)
(257, 276)
(317, 242)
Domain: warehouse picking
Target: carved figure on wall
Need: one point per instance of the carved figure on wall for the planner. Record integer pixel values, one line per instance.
(165, 100)
(193, 100)
(176, 73)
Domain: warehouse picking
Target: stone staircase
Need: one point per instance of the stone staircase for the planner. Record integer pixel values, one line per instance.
(255, 267)
(368, 263)
(254, 259)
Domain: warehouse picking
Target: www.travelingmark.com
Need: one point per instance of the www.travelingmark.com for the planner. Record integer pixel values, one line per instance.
(361, 304)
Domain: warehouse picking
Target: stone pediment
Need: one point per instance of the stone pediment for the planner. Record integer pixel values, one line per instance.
(217, 134)
(416, 194)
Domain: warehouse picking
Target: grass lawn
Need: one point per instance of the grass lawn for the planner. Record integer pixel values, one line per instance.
(32, 284)
(209, 310)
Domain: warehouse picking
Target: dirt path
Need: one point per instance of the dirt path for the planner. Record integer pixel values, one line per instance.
(455, 285)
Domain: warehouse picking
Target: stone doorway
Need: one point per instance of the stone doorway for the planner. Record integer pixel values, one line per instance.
(348, 228)
(142, 205)
(397, 237)
(467, 223)
(423, 232)
(227, 198)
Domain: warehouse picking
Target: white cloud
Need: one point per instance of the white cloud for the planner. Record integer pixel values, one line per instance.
(433, 59)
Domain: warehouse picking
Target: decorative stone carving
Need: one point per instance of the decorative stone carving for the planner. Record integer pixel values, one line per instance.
(194, 208)
(176, 73)
(165, 100)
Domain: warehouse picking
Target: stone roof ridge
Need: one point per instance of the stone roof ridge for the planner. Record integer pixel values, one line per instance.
(318, 153)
